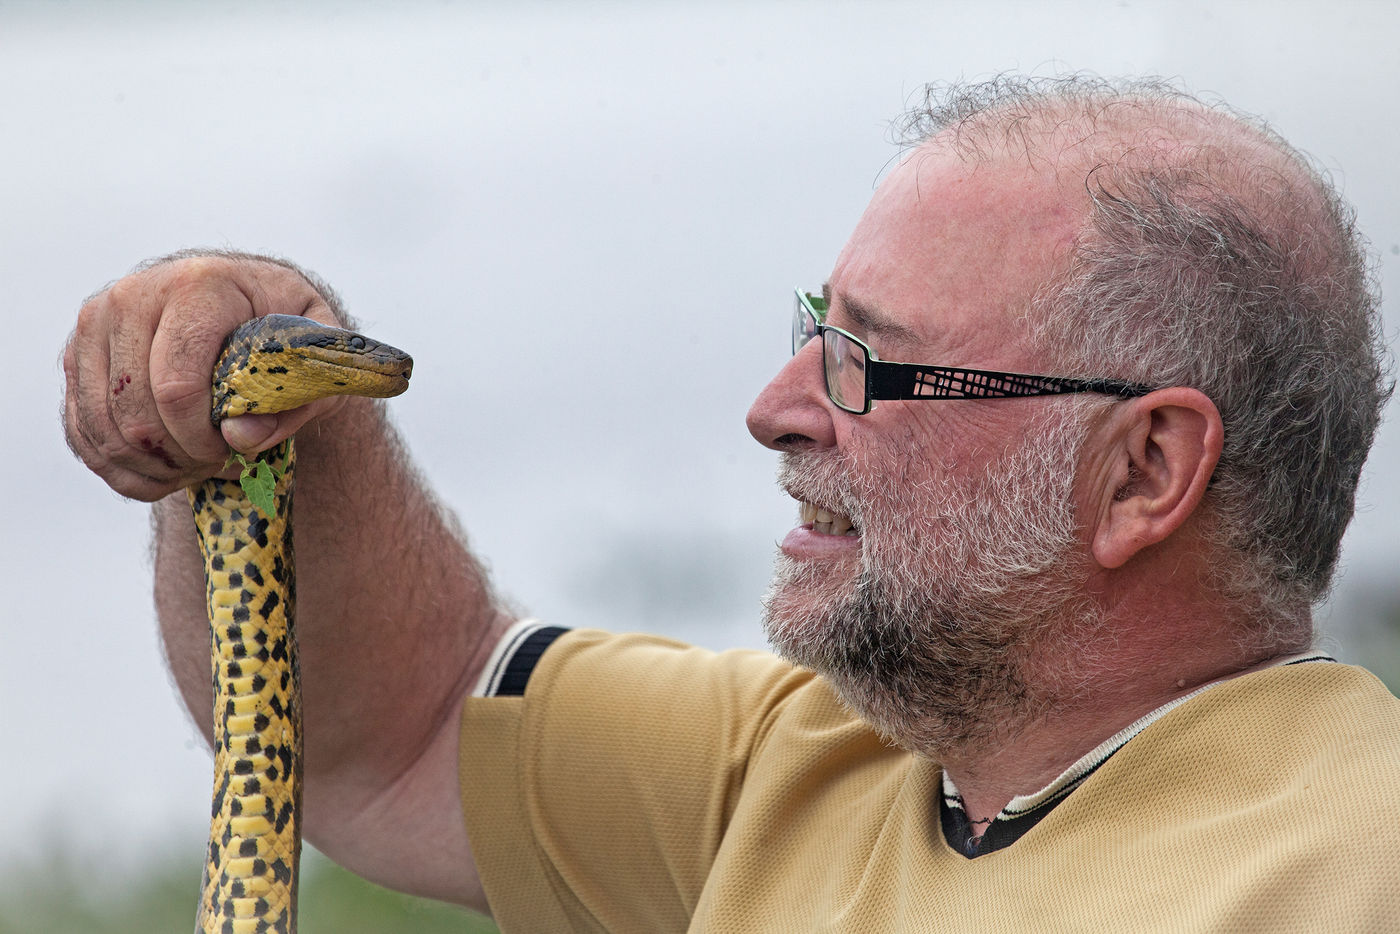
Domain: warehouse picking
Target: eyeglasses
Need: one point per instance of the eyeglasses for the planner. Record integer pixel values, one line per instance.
(856, 377)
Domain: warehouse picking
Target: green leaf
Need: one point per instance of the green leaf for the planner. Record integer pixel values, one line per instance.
(259, 483)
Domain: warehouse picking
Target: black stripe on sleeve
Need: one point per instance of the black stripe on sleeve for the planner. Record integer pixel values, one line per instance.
(516, 673)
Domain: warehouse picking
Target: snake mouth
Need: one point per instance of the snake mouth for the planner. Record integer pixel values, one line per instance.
(351, 362)
(369, 375)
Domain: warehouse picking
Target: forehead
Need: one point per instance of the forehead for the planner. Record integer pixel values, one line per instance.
(955, 250)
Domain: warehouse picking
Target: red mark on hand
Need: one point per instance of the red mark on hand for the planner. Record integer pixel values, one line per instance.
(123, 381)
(156, 450)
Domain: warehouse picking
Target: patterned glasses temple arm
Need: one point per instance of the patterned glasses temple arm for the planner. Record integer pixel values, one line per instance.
(914, 381)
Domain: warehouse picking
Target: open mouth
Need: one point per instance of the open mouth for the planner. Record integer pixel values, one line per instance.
(826, 522)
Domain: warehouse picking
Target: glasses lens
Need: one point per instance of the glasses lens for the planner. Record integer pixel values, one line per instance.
(845, 371)
(804, 326)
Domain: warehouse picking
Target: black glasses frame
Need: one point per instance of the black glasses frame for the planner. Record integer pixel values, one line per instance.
(889, 380)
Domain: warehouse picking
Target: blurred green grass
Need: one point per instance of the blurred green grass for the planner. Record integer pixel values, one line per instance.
(57, 896)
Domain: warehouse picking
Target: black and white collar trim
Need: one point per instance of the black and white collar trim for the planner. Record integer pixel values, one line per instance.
(1023, 812)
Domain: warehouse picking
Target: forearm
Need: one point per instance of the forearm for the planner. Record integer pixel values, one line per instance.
(394, 616)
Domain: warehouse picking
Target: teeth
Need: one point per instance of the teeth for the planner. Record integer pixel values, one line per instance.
(827, 523)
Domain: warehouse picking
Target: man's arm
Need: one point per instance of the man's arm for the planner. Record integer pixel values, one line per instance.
(394, 616)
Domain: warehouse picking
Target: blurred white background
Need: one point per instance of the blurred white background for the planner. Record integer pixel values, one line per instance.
(513, 192)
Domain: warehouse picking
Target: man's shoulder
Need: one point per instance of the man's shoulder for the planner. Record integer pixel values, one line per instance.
(1308, 707)
(1268, 802)
(1283, 736)
(1314, 704)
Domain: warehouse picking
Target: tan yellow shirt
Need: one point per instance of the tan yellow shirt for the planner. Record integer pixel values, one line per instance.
(640, 785)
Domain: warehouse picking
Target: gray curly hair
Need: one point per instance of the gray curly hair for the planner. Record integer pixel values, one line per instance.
(1215, 256)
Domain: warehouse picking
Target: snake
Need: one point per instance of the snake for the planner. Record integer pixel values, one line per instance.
(267, 365)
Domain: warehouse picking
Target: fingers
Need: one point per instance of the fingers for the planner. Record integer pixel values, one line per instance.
(137, 369)
(106, 422)
(201, 302)
(86, 421)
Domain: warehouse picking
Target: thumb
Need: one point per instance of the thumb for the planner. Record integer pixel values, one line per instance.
(250, 434)
(253, 434)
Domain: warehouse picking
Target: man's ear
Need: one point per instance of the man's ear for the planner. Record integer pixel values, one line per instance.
(1151, 466)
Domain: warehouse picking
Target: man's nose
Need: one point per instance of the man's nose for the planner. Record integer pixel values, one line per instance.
(793, 409)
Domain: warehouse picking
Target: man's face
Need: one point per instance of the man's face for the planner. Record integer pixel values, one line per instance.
(928, 626)
(961, 549)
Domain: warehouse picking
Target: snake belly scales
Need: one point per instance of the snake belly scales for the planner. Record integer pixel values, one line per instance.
(268, 365)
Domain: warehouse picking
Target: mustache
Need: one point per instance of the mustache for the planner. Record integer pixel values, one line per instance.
(823, 478)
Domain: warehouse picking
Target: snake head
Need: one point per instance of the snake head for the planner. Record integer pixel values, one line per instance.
(279, 362)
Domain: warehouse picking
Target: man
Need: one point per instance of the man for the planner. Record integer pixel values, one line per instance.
(1049, 600)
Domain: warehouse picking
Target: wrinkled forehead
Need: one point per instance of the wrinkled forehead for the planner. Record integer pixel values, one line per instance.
(949, 245)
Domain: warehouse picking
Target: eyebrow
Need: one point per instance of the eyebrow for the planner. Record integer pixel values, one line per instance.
(871, 322)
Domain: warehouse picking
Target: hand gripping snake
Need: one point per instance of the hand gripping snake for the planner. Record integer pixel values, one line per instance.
(268, 365)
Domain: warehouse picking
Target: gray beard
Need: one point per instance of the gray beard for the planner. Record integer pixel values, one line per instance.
(917, 673)
(962, 594)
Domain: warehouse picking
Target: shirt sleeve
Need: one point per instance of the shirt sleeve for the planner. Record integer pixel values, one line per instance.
(598, 798)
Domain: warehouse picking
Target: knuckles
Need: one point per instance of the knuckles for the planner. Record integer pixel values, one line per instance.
(128, 293)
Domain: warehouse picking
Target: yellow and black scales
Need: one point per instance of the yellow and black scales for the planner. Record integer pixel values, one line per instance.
(268, 365)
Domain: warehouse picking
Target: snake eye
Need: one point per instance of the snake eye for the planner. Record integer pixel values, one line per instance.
(357, 342)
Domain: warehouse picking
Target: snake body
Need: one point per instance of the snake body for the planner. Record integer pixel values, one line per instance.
(268, 365)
